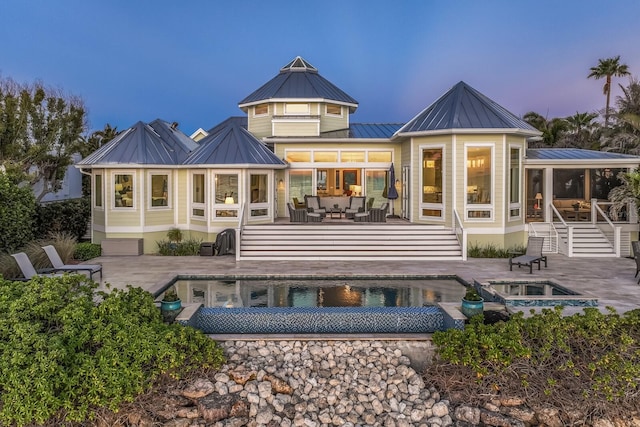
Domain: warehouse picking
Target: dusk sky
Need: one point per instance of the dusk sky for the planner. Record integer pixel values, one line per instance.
(193, 61)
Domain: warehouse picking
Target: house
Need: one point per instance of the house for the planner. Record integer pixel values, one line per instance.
(462, 163)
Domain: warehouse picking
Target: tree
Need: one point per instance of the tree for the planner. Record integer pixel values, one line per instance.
(608, 68)
(97, 139)
(580, 128)
(552, 130)
(626, 194)
(40, 129)
(17, 209)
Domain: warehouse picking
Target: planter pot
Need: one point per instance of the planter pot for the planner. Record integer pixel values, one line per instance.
(471, 308)
(170, 305)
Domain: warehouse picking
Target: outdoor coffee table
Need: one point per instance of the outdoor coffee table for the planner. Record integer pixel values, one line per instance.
(337, 211)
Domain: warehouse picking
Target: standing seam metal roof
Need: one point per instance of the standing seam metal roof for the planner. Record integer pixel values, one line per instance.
(156, 143)
(576, 154)
(230, 143)
(463, 107)
(298, 80)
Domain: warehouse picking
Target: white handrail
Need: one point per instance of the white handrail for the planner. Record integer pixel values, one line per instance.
(241, 222)
(616, 230)
(553, 208)
(463, 239)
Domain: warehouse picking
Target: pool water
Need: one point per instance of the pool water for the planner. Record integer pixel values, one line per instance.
(534, 293)
(320, 292)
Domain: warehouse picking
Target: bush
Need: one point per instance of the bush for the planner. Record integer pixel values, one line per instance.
(491, 251)
(17, 210)
(586, 362)
(62, 355)
(85, 251)
(66, 217)
(185, 248)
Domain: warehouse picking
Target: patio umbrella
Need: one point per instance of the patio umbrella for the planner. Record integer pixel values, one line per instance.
(392, 193)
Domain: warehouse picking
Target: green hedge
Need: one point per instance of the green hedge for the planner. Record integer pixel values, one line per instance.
(17, 210)
(65, 217)
(85, 251)
(62, 355)
(589, 362)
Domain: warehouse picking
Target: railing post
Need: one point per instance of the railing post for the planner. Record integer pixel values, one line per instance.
(616, 240)
(570, 241)
(464, 244)
(594, 211)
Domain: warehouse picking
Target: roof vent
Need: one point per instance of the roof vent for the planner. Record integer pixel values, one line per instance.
(299, 64)
(174, 125)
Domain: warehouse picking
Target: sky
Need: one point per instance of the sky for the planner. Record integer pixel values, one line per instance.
(192, 61)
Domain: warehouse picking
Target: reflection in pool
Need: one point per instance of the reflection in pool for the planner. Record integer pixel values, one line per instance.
(320, 292)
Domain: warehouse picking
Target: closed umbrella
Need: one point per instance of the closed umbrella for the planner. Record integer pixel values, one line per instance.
(392, 193)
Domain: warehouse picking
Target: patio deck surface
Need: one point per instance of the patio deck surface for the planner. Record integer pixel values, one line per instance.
(609, 279)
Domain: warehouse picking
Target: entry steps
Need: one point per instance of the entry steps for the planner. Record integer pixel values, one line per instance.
(348, 241)
(588, 240)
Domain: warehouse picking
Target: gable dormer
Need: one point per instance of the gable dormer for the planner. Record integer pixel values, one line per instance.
(297, 102)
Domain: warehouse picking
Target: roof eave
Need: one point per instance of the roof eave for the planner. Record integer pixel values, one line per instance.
(333, 101)
(484, 131)
(580, 162)
(298, 140)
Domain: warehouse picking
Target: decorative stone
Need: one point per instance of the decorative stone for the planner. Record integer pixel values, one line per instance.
(199, 388)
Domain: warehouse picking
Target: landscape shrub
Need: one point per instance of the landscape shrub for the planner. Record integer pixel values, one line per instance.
(490, 250)
(588, 362)
(66, 217)
(17, 210)
(85, 251)
(184, 248)
(63, 355)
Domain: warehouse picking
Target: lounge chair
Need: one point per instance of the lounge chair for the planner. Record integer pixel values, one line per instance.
(635, 246)
(356, 204)
(27, 268)
(59, 265)
(313, 205)
(533, 255)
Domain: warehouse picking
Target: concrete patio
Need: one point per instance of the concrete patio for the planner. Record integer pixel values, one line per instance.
(609, 279)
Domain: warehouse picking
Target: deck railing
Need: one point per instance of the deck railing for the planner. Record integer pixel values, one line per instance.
(595, 210)
(241, 223)
(461, 234)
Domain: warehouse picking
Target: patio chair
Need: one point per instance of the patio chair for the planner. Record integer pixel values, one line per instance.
(58, 265)
(373, 214)
(313, 205)
(370, 203)
(533, 255)
(356, 204)
(27, 268)
(635, 246)
(301, 215)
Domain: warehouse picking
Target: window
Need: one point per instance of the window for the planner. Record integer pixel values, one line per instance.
(226, 195)
(352, 156)
(321, 179)
(300, 184)
(261, 110)
(297, 109)
(259, 188)
(334, 110)
(97, 191)
(325, 156)
(159, 190)
(479, 182)
(432, 175)
(514, 182)
(123, 191)
(197, 194)
(298, 156)
(379, 156)
(375, 183)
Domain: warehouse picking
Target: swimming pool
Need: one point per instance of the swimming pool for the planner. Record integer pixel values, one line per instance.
(319, 305)
(533, 293)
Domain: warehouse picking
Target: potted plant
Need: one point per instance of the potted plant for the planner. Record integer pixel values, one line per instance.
(472, 303)
(170, 300)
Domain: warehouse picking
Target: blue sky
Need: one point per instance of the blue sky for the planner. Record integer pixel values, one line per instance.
(193, 61)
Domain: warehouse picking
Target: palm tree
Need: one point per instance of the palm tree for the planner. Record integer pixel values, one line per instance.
(553, 131)
(580, 129)
(626, 194)
(607, 68)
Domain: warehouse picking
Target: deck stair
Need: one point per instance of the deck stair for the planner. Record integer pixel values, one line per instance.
(588, 240)
(349, 241)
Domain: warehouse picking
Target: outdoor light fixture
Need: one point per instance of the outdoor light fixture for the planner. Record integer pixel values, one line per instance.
(281, 185)
(228, 200)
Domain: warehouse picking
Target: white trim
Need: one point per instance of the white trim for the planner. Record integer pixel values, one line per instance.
(197, 205)
(479, 131)
(296, 100)
(521, 196)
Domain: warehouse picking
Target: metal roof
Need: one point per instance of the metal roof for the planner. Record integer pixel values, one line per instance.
(156, 143)
(230, 143)
(463, 107)
(299, 80)
(365, 131)
(577, 154)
